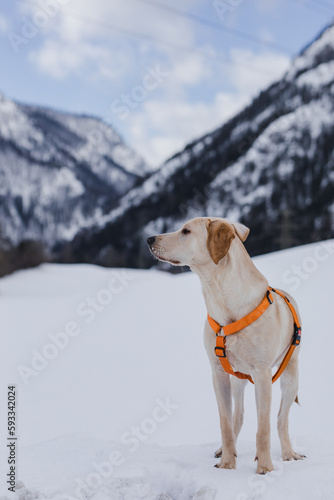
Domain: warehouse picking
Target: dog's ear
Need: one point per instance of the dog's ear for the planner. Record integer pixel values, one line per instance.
(241, 230)
(220, 235)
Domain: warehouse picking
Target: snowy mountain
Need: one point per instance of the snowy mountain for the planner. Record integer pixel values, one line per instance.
(271, 167)
(110, 408)
(58, 171)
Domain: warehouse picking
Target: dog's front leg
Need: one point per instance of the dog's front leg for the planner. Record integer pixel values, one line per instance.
(222, 387)
(263, 386)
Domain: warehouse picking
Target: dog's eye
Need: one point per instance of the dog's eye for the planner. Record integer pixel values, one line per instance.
(185, 231)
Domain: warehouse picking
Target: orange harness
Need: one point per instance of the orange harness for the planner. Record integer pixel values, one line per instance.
(248, 320)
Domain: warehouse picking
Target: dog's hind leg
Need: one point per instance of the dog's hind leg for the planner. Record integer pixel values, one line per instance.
(238, 390)
(289, 387)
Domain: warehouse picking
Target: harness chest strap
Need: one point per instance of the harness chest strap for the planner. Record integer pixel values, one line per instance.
(248, 320)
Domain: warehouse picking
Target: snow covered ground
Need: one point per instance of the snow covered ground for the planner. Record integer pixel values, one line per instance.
(114, 391)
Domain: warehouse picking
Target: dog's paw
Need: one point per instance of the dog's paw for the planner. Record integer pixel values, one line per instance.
(292, 455)
(227, 463)
(264, 466)
(219, 452)
(263, 469)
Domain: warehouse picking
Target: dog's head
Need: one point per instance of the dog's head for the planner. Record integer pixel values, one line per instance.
(198, 242)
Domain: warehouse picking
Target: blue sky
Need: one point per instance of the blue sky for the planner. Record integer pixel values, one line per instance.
(177, 80)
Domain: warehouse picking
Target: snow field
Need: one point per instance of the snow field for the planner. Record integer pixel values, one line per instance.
(121, 406)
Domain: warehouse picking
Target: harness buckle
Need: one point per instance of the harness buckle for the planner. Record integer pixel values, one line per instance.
(270, 300)
(221, 349)
(296, 335)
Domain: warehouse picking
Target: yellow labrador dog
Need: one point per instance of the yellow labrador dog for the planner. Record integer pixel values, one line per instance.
(233, 287)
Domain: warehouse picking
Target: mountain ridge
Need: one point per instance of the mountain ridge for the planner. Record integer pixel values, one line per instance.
(51, 161)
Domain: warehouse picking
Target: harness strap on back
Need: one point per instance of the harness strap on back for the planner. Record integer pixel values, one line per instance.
(247, 320)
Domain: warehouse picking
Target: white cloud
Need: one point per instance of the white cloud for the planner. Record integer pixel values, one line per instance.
(81, 26)
(59, 59)
(190, 70)
(4, 26)
(55, 60)
(164, 127)
(266, 68)
(198, 94)
(161, 127)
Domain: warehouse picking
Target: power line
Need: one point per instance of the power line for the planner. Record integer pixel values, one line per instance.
(173, 45)
(193, 17)
(212, 24)
(323, 4)
(314, 6)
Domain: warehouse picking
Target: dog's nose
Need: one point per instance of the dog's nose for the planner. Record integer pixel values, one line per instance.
(150, 240)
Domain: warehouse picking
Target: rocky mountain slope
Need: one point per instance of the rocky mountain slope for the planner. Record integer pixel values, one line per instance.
(271, 167)
(58, 172)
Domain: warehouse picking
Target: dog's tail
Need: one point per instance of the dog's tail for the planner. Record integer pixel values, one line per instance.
(297, 401)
